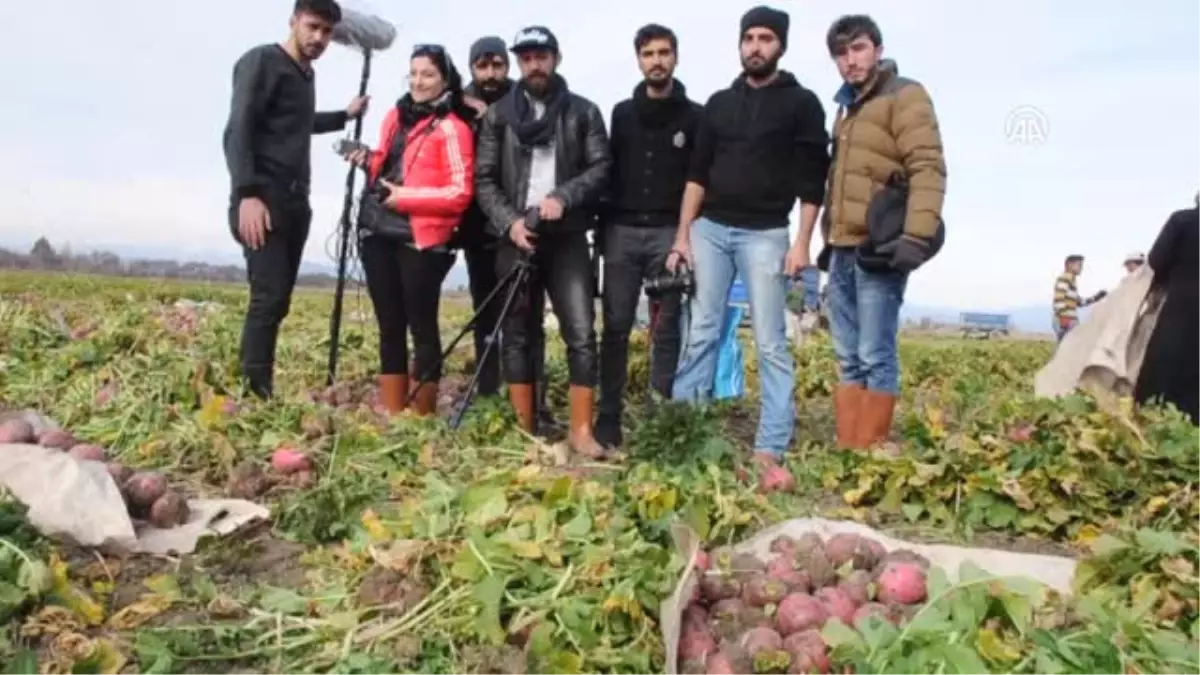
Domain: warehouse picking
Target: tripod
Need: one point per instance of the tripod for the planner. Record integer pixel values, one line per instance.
(514, 281)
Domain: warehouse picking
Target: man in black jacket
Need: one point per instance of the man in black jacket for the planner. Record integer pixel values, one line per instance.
(652, 137)
(762, 145)
(268, 141)
(544, 147)
(489, 83)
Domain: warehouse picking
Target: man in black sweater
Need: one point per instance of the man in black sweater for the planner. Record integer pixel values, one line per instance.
(268, 141)
(762, 145)
(652, 137)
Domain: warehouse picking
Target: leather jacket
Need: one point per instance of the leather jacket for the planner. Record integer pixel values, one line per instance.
(582, 160)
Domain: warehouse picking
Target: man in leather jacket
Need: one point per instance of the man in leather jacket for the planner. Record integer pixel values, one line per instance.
(545, 148)
(489, 61)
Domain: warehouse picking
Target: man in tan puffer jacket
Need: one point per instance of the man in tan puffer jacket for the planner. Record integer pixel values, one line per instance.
(885, 125)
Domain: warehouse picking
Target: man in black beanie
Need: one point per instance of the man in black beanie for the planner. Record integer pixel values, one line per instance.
(762, 145)
(653, 133)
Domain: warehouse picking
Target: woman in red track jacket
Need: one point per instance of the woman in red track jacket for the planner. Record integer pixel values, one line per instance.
(427, 142)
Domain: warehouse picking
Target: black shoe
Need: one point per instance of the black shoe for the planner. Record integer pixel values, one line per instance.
(259, 381)
(608, 432)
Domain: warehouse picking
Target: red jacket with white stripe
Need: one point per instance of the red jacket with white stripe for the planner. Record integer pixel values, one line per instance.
(439, 174)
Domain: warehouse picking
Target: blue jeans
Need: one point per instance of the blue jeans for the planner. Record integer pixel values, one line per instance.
(864, 318)
(811, 278)
(720, 254)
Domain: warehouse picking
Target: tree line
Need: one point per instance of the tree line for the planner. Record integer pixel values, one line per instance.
(44, 257)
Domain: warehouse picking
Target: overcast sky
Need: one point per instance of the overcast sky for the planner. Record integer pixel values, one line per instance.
(1069, 126)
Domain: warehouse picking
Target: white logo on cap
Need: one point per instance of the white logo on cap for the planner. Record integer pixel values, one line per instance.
(531, 35)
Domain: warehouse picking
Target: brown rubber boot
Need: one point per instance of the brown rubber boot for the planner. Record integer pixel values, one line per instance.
(413, 378)
(580, 437)
(393, 392)
(875, 418)
(522, 398)
(847, 407)
(425, 399)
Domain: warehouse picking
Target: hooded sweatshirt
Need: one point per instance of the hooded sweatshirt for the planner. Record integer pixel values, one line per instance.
(758, 150)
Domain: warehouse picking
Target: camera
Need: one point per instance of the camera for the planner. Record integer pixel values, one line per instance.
(533, 219)
(680, 281)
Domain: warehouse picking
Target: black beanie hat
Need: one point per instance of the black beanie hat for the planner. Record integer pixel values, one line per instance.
(488, 45)
(774, 20)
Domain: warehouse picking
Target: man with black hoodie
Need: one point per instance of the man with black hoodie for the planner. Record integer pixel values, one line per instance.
(762, 145)
(652, 137)
(268, 140)
(489, 83)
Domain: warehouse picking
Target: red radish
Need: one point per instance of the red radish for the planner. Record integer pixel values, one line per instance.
(759, 639)
(56, 438)
(719, 664)
(702, 562)
(696, 643)
(169, 510)
(87, 452)
(857, 586)
(783, 545)
(837, 604)
(17, 431)
(808, 651)
(694, 616)
(902, 583)
(761, 591)
(783, 569)
(120, 473)
(289, 460)
(144, 488)
(799, 611)
(871, 609)
(776, 478)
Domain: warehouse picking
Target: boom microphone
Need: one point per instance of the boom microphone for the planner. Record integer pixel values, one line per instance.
(367, 33)
(363, 31)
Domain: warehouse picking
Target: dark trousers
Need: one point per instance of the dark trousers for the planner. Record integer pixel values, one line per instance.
(482, 279)
(562, 269)
(405, 287)
(632, 254)
(271, 271)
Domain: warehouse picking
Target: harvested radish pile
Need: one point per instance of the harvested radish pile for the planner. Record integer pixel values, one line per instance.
(146, 493)
(753, 616)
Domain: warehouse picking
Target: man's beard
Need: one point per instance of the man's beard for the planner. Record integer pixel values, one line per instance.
(658, 81)
(761, 70)
(492, 90)
(539, 85)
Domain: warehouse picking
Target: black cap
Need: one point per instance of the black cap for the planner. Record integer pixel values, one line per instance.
(772, 19)
(534, 37)
(489, 45)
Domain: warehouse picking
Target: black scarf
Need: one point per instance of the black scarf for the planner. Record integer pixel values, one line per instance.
(411, 113)
(656, 113)
(519, 112)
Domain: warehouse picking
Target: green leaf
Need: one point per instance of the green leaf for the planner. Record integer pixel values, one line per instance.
(483, 504)
(1160, 543)
(912, 512)
(962, 659)
(25, 661)
(579, 526)
(837, 634)
(467, 566)
(1019, 610)
(282, 600)
(1001, 515)
(877, 632)
(488, 593)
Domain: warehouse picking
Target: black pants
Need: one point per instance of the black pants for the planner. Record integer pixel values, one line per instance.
(632, 254)
(271, 271)
(405, 287)
(562, 268)
(481, 276)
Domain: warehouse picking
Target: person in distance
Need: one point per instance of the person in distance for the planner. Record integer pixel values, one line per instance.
(420, 181)
(545, 147)
(268, 147)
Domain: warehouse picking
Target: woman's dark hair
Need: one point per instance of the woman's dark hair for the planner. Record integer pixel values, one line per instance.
(441, 60)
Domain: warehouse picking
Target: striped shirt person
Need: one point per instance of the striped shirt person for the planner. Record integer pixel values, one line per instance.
(1067, 300)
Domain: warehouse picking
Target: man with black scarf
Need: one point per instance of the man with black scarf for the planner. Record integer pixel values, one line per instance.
(489, 83)
(652, 137)
(544, 147)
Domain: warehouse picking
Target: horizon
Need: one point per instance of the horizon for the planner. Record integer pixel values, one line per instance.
(1034, 135)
